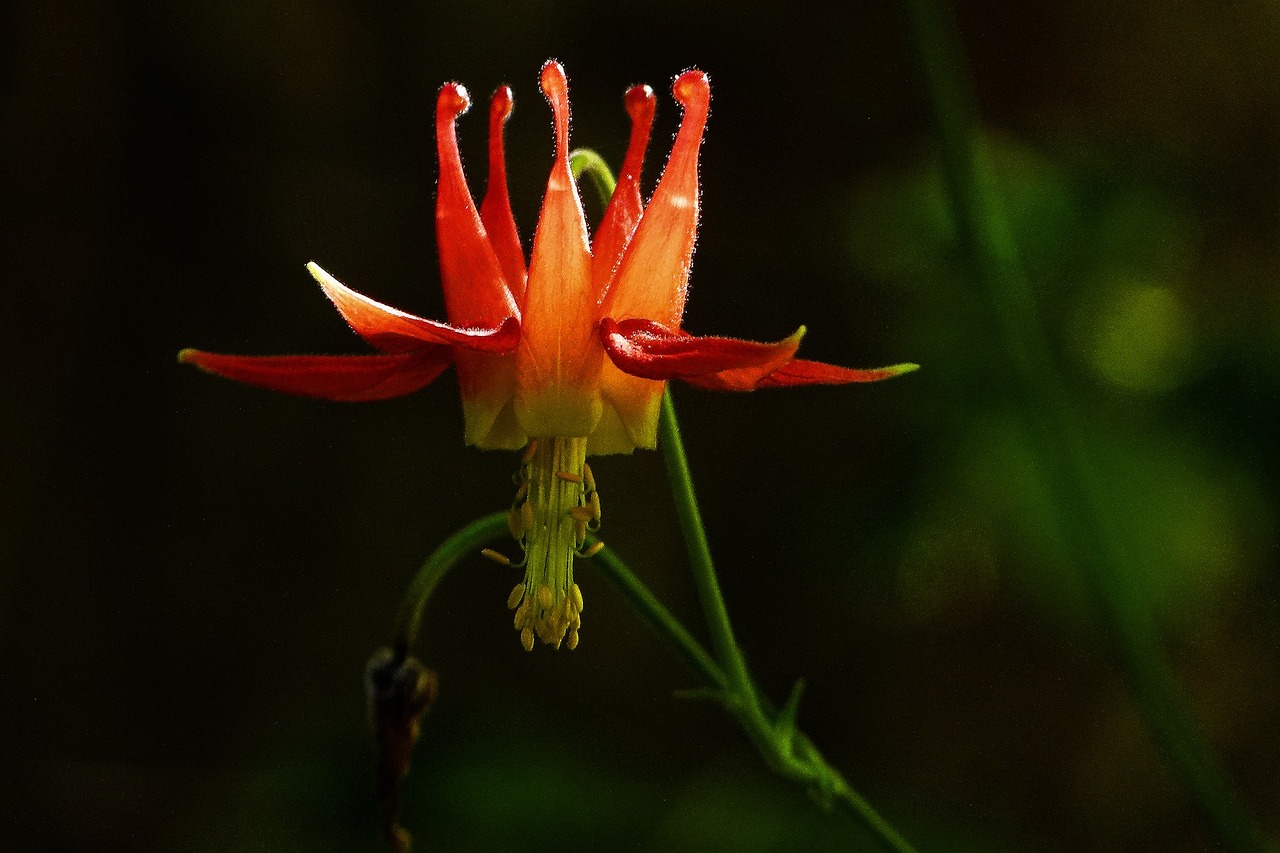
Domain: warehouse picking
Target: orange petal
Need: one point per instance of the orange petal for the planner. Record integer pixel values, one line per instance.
(495, 210)
(653, 277)
(559, 354)
(625, 207)
(475, 291)
(394, 331)
(346, 378)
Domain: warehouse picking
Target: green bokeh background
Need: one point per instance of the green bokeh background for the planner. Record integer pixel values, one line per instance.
(193, 573)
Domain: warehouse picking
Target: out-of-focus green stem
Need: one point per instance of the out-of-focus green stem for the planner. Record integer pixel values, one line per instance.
(1093, 544)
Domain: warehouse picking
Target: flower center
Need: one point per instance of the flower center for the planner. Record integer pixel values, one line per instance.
(556, 504)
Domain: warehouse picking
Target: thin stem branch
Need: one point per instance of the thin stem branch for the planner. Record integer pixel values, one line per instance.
(1091, 540)
(662, 619)
(464, 543)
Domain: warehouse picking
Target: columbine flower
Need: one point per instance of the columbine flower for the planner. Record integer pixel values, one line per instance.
(564, 358)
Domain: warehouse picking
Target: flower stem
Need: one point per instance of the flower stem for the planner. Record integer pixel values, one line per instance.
(1090, 537)
(464, 543)
(695, 537)
(584, 160)
(788, 751)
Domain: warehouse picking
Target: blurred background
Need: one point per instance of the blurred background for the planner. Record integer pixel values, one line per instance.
(193, 573)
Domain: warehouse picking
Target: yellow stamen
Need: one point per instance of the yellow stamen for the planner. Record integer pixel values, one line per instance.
(593, 550)
(495, 556)
(555, 506)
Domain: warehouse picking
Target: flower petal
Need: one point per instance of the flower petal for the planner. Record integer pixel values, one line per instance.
(644, 349)
(647, 350)
(625, 207)
(653, 277)
(394, 331)
(559, 355)
(495, 210)
(802, 372)
(346, 378)
(475, 290)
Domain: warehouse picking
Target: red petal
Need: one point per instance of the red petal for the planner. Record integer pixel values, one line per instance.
(645, 349)
(801, 372)
(346, 378)
(653, 277)
(495, 210)
(475, 291)
(394, 331)
(625, 207)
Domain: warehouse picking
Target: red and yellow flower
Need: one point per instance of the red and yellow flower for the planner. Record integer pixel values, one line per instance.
(565, 357)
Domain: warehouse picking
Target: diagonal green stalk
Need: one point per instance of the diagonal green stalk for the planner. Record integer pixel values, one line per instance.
(1093, 543)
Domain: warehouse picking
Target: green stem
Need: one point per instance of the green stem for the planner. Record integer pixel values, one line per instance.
(464, 543)
(662, 619)
(1092, 542)
(588, 161)
(695, 537)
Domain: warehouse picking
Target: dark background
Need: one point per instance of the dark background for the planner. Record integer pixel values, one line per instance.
(193, 573)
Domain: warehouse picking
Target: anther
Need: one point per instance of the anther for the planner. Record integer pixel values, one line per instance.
(593, 503)
(582, 513)
(495, 556)
(579, 532)
(514, 524)
(522, 492)
(588, 477)
(569, 476)
(593, 550)
(513, 600)
(572, 641)
(544, 597)
(526, 515)
(576, 593)
(526, 639)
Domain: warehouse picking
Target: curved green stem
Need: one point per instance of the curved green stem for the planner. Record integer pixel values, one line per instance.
(584, 160)
(465, 542)
(1091, 541)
